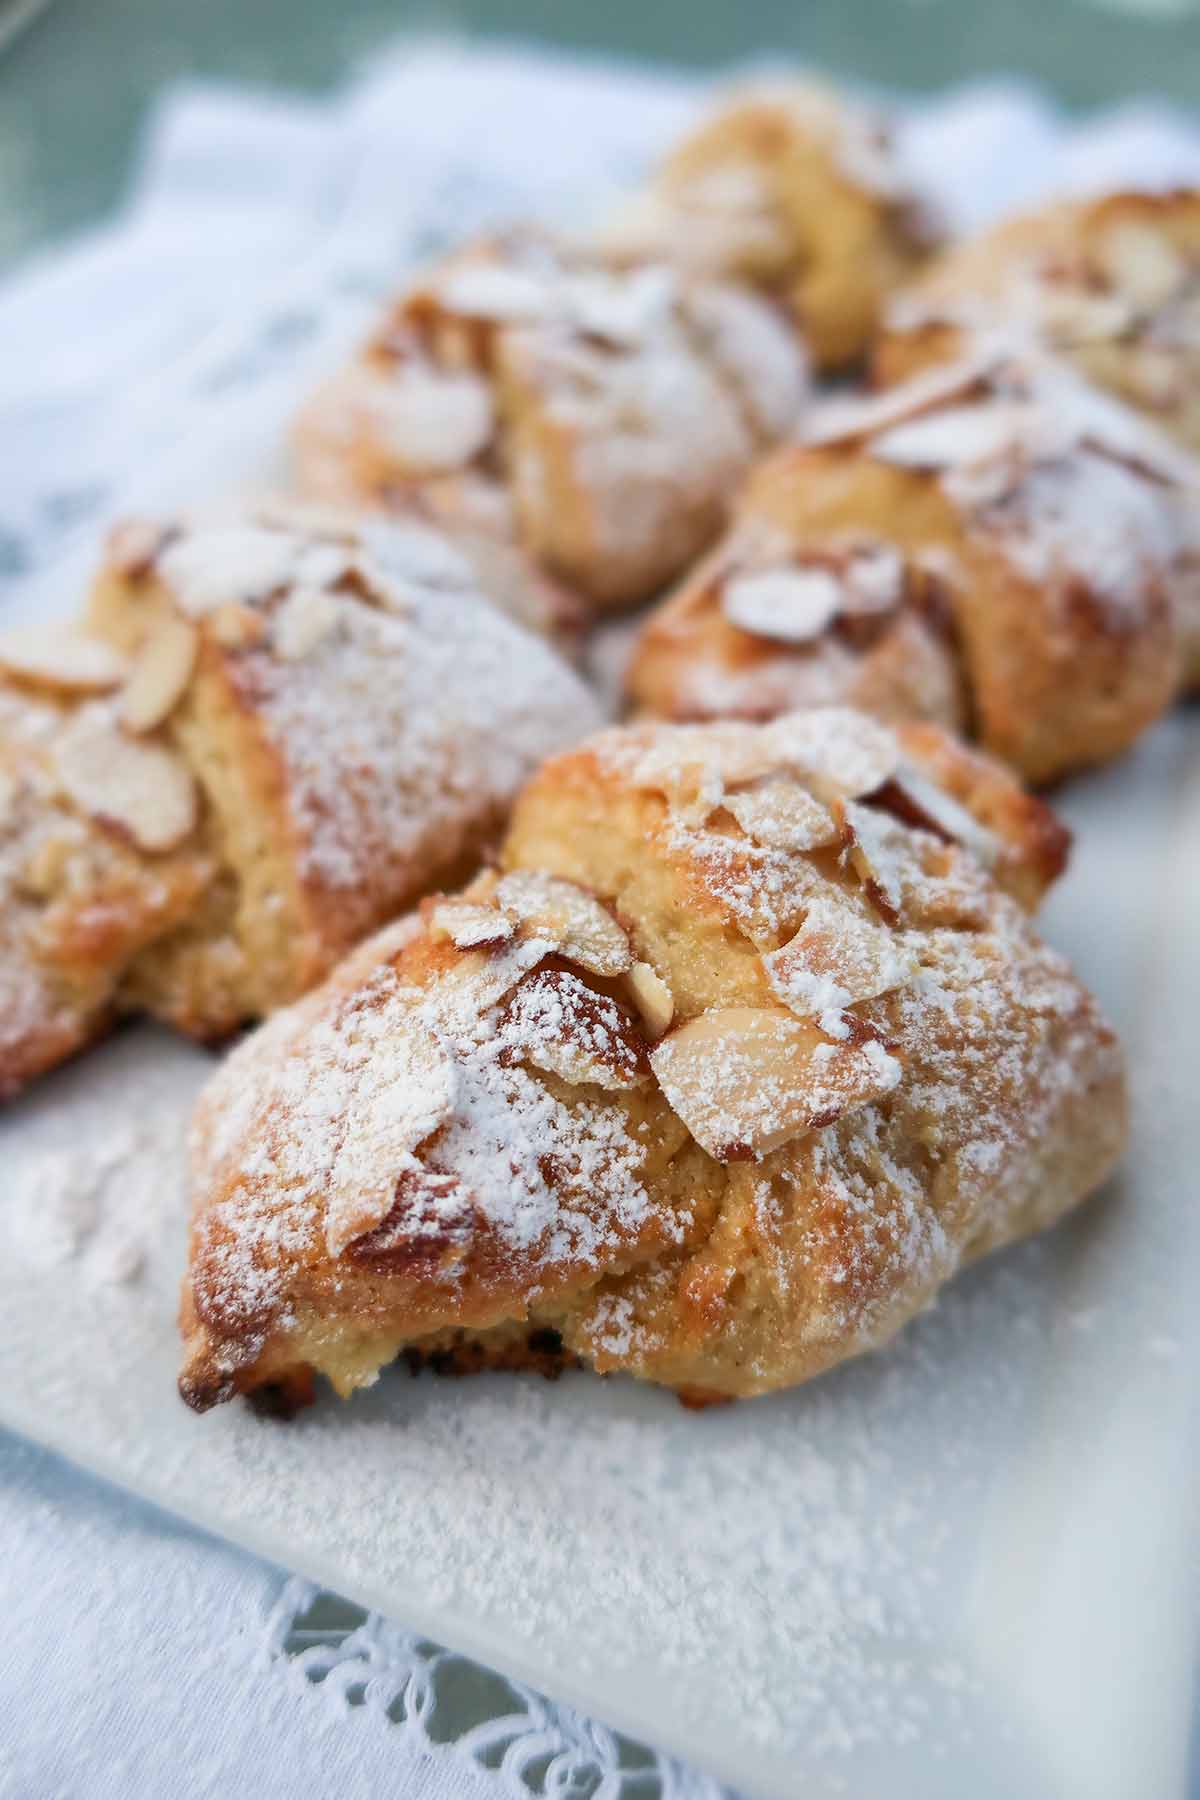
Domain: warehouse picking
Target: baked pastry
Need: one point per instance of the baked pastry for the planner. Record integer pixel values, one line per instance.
(797, 191)
(741, 1051)
(1112, 283)
(997, 515)
(276, 731)
(597, 417)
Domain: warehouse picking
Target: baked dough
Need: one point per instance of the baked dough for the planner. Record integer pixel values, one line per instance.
(741, 1051)
(994, 543)
(798, 191)
(597, 417)
(276, 731)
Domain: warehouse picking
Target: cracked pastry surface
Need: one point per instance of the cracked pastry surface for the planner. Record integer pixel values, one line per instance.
(590, 419)
(271, 733)
(797, 191)
(994, 545)
(745, 1046)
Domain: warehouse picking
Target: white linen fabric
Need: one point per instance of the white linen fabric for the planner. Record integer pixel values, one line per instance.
(139, 1657)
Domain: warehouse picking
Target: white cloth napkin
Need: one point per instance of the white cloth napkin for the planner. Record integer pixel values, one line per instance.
(138, 1657)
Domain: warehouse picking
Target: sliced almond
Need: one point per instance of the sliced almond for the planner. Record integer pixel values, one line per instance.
(142, 789)
(160, 674)
(691, 764)
(956, 437)
(495, 291)
(844, 421)
(781, 815)
(837, 752)
(470, 926)
(652, 997)
(746, 1080)
(792, 605)
(573, 921)
(431, 422)
(237, 627)
(555, 1021)
(923, 803)
(874, 579)
(134, 545)
(871, 850)
(61, 658)
(305, 619)
(398, 1101)
(837, 959)
(1142, 263)
(622, 310)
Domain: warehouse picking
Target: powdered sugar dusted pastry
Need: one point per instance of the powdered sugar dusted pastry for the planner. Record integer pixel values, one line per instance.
(1036, 517)
(277, 731)
(597, 417)
(740, 1052)
(797, 191)
(1112, 283)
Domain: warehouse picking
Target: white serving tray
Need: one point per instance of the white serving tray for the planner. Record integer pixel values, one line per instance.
(965, 1567)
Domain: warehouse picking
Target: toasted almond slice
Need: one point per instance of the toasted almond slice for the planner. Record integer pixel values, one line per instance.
(746, 1080)
(652, 997)
(494, 291)
(430, 421)
(924, 803)
(305, 619)
(160, 674)
(555, 1021)
(623, 309)
(237, 627)
(142, 789)
(834, 750)
(871, 849)
(781, 815)
(956, 437)
(792, 605)
(843, 421)
(398, 1101)
(573, 921)
(692, 764)
(836, 959)
(874, 579)
(1142, 263)
(471, 926)
(134, 545)
(61, 658)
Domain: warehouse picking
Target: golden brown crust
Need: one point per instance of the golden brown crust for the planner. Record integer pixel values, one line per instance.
(1039, 518)
(797, 191)
(718, 1077)
(592, 420)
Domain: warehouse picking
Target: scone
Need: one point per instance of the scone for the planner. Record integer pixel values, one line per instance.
(741, 1051)
(589, 419)
(274, 733)
(1112, 283)
(797, 191)
(994, 543)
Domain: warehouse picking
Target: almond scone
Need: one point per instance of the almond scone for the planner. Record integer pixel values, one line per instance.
(591, 420)
(743, 1048)
(273, 733)
(994, 545)
(797, 191)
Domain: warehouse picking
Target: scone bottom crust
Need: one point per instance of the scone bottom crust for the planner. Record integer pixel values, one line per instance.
(740, 1052)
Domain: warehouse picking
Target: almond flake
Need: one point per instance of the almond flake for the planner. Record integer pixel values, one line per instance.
(845, 421)
(555, 1021)
(874, 579)
(620, 310)
(142, 789)
(398, 1101)
(793, 606)
(836, 752)
(961, 435)
(746, 1080)
(574, 922)
(1142, 264)
(924, 803)
(837, 959)
(160, 674)
(133, 547)
(652, 997)
(471, 926)
(495, 292)
(781, 815)
(304, 620)
(237, 627)
(58, 657)
(870, 841)
(433, 422)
